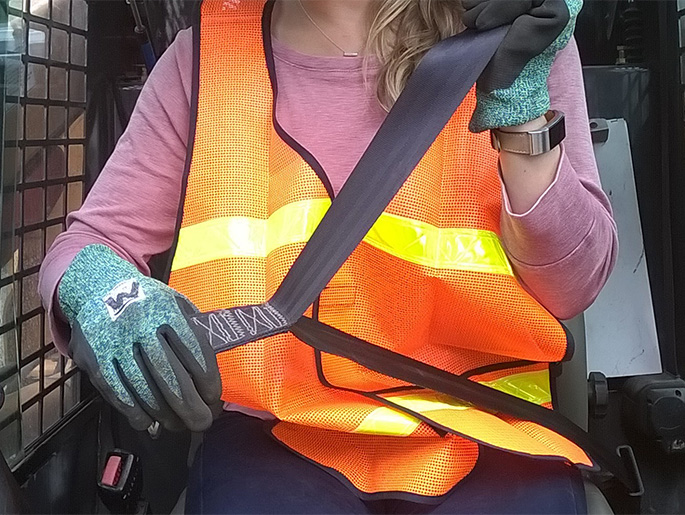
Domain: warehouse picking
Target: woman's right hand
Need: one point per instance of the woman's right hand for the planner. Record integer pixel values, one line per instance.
(513, 88)
(130, 334)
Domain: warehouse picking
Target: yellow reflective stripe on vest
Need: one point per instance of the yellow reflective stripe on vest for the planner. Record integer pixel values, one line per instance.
(388, 421)
(240, 236)
(448, 248)
(531, 386)
(407, 239)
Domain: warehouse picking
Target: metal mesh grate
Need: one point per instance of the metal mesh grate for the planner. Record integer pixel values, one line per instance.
(48, 160)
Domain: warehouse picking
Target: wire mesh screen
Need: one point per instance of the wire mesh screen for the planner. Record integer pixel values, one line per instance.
(47, 159)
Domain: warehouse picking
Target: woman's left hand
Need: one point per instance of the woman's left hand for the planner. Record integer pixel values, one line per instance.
(513, 88)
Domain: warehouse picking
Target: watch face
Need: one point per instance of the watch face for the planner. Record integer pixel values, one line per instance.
(557, 132)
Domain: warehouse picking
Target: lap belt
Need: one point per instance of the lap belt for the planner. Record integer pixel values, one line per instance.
(433, 93)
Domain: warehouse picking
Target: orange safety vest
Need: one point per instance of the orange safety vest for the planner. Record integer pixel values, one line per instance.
(430, 281)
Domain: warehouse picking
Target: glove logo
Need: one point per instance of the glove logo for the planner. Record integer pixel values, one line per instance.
(122, 296)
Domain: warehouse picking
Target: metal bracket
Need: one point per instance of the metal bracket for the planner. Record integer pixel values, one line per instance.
(628, 456)
(599, 130)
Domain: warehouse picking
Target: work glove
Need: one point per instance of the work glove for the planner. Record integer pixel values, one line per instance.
(131, 335)
(513, 88)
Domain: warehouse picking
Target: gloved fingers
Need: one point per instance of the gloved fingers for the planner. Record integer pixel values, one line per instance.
(133, 409)
(158, 410)
(488, 14)
(472, 13)
(535, 31)
(176, 385)
(217, 408)
(106, 380)
(555, 17)
(197, 357)
(187, 308)
(199, 360)
(189, 335)
(529, 36)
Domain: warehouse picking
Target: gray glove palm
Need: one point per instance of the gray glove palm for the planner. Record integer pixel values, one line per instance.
(131, 336)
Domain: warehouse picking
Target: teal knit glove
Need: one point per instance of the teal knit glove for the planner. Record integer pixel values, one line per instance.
(513, 88)
(131, 336)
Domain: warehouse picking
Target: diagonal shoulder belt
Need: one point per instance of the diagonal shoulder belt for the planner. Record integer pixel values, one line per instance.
(433, 93)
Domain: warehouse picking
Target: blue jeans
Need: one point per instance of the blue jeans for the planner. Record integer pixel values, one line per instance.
(241, 468)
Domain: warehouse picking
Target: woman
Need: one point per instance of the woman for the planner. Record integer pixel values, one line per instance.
(282, 99)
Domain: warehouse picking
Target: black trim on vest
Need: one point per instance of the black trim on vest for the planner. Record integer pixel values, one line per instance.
(166, 258)
(324, 381)
(364, 496)
(330, 340)
(287, 138)
(417, 498)
(399, 389)
(499, 366)
(322, 375)
(554, 370)
(192, 129)
(439, 430)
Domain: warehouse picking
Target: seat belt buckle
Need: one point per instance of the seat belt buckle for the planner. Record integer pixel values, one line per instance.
(121, 483)
(628, 456)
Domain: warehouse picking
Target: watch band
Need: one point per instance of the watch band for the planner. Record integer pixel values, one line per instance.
(535, 142)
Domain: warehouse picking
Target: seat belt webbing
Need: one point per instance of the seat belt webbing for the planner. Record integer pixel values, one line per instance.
(434, 91)
(432, 94)
(330, 340)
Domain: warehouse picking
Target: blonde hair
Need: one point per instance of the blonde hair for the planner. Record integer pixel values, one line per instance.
(401, 32)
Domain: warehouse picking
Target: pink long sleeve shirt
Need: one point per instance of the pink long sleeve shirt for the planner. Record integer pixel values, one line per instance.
(562, 249)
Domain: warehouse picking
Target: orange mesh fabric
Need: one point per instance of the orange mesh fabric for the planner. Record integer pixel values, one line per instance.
(454, 320)
(506, 433)
(556, 445)
(371, 463)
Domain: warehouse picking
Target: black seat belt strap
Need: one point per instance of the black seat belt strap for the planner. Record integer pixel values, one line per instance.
(430, 98)
(327, 339)
(433, 93)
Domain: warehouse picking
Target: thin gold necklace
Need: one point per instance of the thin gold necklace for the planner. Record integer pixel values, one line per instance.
(345, 53)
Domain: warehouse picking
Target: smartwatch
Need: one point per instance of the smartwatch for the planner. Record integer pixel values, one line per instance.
(535, 142)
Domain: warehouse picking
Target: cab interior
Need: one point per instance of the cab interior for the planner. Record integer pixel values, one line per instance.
(71, 72)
